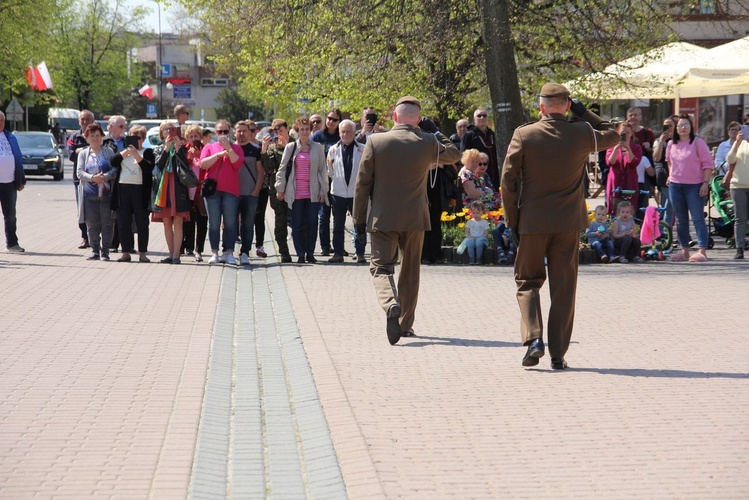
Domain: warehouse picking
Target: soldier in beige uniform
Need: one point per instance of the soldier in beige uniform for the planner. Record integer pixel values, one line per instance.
(544, 205)
(393, 173)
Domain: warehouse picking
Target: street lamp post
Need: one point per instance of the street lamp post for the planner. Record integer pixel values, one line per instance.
(160, 69)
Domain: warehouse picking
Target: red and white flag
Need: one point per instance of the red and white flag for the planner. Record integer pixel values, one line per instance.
(146, 91)
(38, 77)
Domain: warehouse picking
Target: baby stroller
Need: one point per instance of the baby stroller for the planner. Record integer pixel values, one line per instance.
(722, 225)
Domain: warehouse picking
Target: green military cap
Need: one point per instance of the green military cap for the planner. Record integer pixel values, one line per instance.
(408, 100)
(554, 90)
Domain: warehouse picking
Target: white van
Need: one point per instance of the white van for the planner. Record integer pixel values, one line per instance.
(66, 117)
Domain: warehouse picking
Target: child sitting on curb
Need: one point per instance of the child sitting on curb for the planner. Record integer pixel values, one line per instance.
(477, 230)
(626, 241)
(599, 237)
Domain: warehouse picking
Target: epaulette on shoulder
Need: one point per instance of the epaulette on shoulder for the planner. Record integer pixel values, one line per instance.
(527, 123)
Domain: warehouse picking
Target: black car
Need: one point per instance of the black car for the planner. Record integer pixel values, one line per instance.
(41, 155)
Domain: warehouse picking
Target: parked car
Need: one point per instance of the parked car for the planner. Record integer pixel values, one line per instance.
(152, 138)
(41, 155)
(148, 123)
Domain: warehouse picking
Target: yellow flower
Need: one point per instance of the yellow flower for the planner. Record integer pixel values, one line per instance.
(461, 225)
(460, 214)
(444, 217)
(484, 216)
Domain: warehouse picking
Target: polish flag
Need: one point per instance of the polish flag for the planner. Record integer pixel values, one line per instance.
(146, 91)
(38, 77)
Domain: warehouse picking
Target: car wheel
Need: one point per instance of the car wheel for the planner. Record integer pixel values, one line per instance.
(60, 175)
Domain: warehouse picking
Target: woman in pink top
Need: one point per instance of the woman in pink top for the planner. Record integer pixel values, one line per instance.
(302, 181)
(223, 160)
(690, 170)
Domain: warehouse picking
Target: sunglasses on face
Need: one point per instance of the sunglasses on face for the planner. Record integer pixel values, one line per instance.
(222, 132)
(683, 125)
(316, 122)
(253, 130)
(482, 115)
(333, 119)
(483, 164)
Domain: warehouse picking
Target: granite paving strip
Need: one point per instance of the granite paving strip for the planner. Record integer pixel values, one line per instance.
(263, 431)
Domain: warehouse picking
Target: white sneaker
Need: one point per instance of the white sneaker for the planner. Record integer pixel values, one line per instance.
(222, 258)
(230, 259)
(244, 259)
(214, 259)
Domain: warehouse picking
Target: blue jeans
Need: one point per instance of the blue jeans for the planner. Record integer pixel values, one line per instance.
(475, 247)
(247, 209)
(686, 200)
(342, 205)
(8, 197)
(226, 205)
(324, 213)
(603, 247)
(304, 212)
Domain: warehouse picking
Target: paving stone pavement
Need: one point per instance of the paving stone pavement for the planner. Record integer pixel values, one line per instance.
(146, 381)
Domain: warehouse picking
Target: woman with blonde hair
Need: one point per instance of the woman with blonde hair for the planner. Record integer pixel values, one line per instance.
(172, 203)
(476, 184)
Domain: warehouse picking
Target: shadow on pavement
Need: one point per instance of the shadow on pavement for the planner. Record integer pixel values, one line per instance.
(640, 372)
(458, 342)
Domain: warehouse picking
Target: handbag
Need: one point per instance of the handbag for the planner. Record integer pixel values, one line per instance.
(186, 176)
(208, 187)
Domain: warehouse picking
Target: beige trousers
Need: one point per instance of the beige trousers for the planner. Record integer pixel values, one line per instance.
(561, 251)
(385, 248)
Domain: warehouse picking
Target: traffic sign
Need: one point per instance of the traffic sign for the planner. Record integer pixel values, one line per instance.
(151, 111)
(14, 111)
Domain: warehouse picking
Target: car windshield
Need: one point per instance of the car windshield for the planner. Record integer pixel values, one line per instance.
(35, 141)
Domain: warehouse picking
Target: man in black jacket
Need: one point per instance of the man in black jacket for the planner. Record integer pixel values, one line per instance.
(480, 136)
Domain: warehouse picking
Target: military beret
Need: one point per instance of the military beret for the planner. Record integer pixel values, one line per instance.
(554, 90)
(408, 100)
(278, 123)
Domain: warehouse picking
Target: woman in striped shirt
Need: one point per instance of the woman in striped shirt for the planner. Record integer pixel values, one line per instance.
(301, 181)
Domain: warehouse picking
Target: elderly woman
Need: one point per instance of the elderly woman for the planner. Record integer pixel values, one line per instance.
(223, 160)
(131, 197)
(193, 242)
(622, 160)
(94, 204)
(172, 201)
(302, 182)
(690, 170)
(476, 184)
(737, 179)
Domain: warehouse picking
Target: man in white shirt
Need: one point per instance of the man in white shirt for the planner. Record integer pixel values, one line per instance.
(12, 180)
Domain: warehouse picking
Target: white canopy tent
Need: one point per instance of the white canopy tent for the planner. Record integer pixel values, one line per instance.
(652, 75)
(676, 70)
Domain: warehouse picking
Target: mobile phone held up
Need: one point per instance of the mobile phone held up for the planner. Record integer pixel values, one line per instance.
(745, 132)
(371, 118)
(273, 136)
(131, 140)
(623, 137)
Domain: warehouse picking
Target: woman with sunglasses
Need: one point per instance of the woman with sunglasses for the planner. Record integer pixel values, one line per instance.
(223, 160)
(172, 201)
(131, 196)
(327, 136)
(476, 183)
(690, 170)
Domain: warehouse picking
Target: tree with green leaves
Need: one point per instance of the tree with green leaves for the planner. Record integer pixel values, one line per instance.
(354, 54)
(93, 41)
(21, 40)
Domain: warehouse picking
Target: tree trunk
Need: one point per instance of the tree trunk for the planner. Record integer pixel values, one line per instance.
(501, 71)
